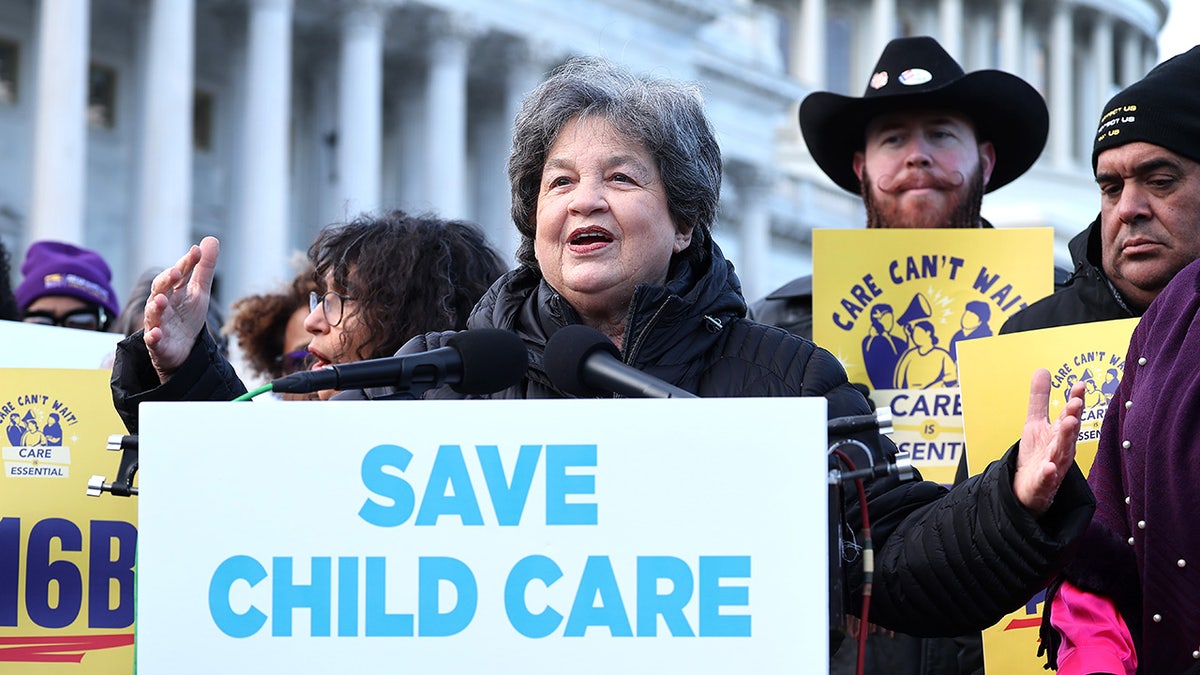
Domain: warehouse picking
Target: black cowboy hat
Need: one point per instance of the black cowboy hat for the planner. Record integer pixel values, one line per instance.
(916, 73)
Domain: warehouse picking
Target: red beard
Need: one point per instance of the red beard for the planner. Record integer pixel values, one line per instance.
(958, 208)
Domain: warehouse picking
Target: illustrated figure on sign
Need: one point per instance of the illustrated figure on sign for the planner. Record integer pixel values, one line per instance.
(881, 349)
(1092, 397)
(15, 430)
(918, 309)
(974, 325)
(33, 436)
(53, 430)
(1111, 380)
(925, 365)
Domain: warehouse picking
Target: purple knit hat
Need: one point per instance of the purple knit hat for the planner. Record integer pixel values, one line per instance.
(59, 268)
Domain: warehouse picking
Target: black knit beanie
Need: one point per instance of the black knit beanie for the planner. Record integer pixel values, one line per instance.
(1162, 108)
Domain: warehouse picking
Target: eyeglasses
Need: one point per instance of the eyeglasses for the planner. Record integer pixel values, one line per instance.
(332, 302)
(82, 319)
(293, 362)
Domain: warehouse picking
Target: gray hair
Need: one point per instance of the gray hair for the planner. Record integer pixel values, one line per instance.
(666, 117)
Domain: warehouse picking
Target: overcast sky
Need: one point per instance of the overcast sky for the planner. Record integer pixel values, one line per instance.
(1182, 30)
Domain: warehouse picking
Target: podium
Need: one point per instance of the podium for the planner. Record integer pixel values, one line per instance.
(547, 536)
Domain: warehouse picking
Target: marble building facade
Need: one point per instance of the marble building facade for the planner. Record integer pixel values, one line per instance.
(137, 126)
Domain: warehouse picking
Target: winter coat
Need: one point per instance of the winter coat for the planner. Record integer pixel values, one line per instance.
(691, 332)
(206, 375)
(789, 307)
(946, 564)
(1142, 549)
(1087, 296)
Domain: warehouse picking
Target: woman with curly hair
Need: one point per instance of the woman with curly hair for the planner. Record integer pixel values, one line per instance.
(384, 279)
(380, 279)
(269, 327)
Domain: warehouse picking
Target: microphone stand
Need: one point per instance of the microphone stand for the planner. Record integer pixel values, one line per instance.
(122, 485)
(861, 436)
(864, 437)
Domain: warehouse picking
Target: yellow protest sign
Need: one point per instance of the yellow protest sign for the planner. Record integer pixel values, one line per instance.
(66, 559)
(995, 375)
(895, 305)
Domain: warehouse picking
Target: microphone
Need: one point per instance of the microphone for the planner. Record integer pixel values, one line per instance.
(581, 361)
(880, 420)
(480, 361)
(865, 432)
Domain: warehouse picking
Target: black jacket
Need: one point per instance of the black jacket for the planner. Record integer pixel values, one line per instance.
(1087, 296)
(691, 332)
(789, 307)
(951, 565)
(946, 562)
(205, 376)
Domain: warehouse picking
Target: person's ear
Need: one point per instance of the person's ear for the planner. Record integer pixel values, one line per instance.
(860, 161)
(683, 238)
(987, 160)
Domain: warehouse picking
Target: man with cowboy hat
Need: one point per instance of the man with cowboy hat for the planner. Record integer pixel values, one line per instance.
(921, 147)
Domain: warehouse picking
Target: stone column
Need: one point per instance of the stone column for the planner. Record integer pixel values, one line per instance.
(360, 108)
(950, 28)
(980, 37)
(1061, 100)
(526, 64)
(1131, 57)
(1034, 53)
(60, 122)
(324, 83)
(810, 44)
(1010, 36)
(446, 115)
(164, 216)
(753, 189)
(1102, 62)
(262, 224)
(883, 27)
(412, 143)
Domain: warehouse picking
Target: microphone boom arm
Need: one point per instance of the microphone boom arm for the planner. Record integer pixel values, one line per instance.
(122, 485)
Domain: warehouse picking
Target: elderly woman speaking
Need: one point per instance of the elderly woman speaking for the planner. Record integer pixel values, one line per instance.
(615, 184)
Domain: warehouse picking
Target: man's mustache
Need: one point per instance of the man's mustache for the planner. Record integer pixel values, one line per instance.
(926, 178)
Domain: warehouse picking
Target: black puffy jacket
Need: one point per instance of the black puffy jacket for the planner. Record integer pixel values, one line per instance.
(206, 375)
(691, 332)
(946, 562)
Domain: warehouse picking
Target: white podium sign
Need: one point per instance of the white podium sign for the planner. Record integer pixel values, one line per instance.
(557, 536)
(31, 345)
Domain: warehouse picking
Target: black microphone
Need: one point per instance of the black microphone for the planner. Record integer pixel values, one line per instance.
(880, 420)
(581, 361)
(480, 361)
